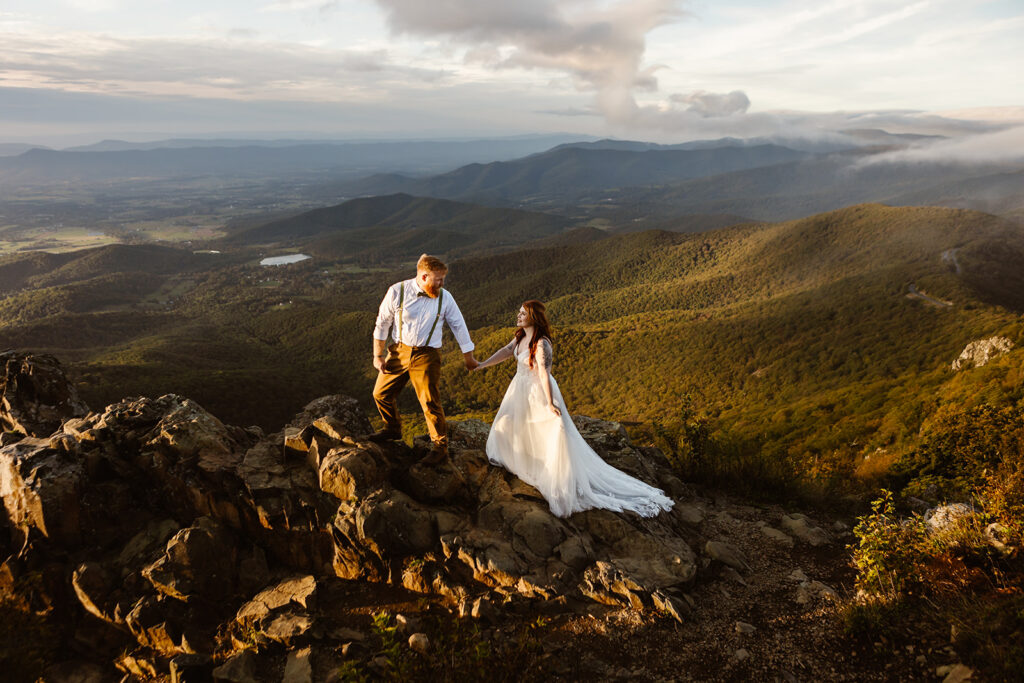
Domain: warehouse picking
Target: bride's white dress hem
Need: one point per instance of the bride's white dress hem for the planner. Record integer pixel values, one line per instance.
(547, 451)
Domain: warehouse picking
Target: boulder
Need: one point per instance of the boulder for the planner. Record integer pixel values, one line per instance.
(353, 472)
(93, 585)
(300, 591)
(419, 642)
(777, 536)
(345, 414)
(35, 395)
(727, 554)
(42, 490)
(199, 561)
(240, 668)
(298, 667)
(799, 526)
(942, 517)
(980, 352)
(186, 431)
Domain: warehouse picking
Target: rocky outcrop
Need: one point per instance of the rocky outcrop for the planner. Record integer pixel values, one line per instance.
(35, 396)
(171, 541)
(980, 352)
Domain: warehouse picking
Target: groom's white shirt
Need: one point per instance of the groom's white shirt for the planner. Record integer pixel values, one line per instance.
(418, 315)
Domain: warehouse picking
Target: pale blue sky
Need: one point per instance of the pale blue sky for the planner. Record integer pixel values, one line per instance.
(654, 69)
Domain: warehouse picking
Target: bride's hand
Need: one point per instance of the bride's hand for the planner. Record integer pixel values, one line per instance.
(555, 410)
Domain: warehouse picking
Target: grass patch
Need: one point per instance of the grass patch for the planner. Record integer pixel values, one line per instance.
(459, 651)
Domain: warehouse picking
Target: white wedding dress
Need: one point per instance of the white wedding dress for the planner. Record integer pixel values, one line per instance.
(547, 451)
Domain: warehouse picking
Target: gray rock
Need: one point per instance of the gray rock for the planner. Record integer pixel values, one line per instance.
(799, 526)
(691, 514)
(670, 605)
(941, 517)
(353, 472)
(93, 587)
(42, 490)
(344, 410)
(239, 668)
(198, 561)
(299, 667)
(980, 352)
(745, 628)
(439, 483)
(777, 536)
(483, 609)
(419, 642)
(998, 536)
(300, 591)
(287, 626)
(35, 395)
(726, 553)
(959, 673)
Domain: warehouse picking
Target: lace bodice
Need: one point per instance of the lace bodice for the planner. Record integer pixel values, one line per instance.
(522, 353)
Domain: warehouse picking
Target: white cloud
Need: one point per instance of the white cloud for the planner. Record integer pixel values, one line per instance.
(714, 104)
(210, 67)
(600, 45)
(1001, 146)
(300, 6)
(93, 5)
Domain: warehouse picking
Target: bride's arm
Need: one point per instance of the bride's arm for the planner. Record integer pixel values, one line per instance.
(504, 353)
(541, 358)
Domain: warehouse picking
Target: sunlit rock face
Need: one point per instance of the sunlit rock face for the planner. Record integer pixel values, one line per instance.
(980, 352)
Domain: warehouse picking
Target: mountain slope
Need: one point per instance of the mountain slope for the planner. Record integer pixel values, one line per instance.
(798, 338)
(400, 226)
(790, 190)
(568, 171)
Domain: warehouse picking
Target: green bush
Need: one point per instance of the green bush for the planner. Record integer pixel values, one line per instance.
(889, 550)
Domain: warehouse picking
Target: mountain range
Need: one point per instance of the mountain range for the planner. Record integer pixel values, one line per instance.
(115, 160)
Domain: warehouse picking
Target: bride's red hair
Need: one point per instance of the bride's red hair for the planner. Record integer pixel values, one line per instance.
(537, 317)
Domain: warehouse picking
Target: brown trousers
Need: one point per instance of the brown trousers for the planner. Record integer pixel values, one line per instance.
(422, 366)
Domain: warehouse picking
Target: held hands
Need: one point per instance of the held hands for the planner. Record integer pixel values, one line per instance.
(471, 362)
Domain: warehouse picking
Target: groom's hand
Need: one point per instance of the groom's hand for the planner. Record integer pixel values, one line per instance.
(378, 363)
(471, 362)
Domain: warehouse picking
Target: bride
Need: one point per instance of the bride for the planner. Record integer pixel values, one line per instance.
(534, 438)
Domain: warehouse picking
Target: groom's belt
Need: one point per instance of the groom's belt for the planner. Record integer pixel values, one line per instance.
(399, 345)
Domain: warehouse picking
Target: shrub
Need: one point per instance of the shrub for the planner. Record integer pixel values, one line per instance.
(888, 554)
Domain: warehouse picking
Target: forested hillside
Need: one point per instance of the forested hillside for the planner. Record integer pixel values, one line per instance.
(813, 344)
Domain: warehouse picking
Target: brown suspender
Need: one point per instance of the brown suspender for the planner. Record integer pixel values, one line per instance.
(401, 305)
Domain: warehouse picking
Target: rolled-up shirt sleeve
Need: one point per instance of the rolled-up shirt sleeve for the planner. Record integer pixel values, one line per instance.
(386, 314)
(453, 316)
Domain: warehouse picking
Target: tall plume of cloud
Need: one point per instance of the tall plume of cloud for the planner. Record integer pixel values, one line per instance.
(600, 45)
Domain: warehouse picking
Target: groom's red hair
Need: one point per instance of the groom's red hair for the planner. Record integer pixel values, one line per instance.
(536, 315)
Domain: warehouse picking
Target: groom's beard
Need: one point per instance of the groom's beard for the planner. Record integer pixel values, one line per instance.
(431, 291)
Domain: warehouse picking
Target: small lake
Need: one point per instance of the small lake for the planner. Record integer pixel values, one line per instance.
(284, 260)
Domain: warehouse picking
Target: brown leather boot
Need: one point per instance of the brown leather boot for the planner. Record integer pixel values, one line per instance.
(385, 434)
(436, 455)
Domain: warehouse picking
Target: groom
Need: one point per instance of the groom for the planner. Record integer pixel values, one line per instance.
(413, 311)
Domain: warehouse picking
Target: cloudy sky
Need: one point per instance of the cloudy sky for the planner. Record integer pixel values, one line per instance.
(76, 71)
